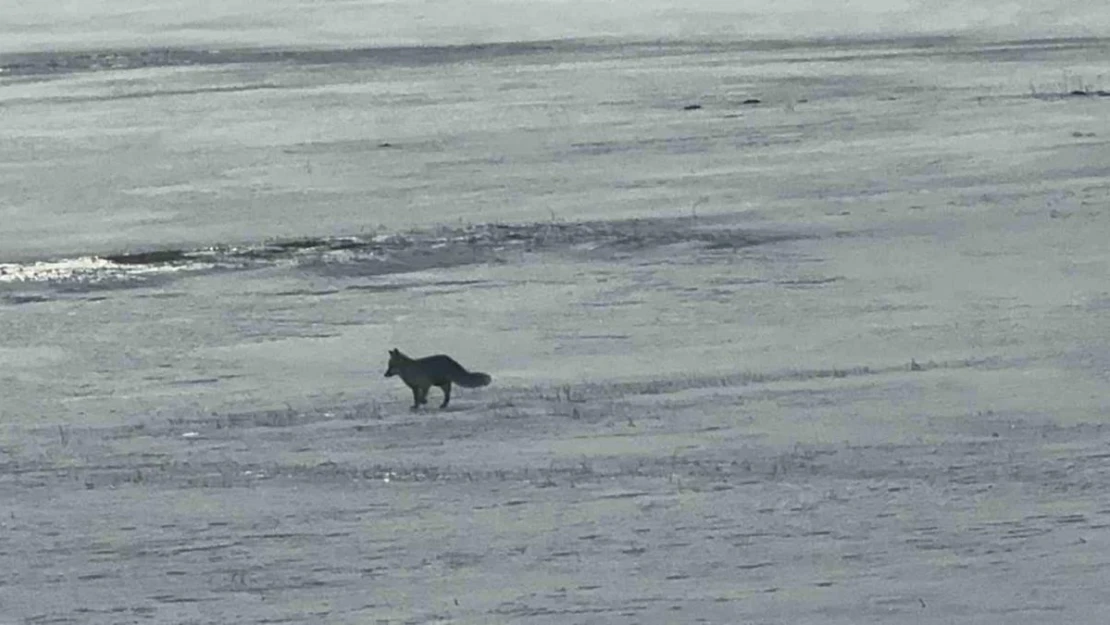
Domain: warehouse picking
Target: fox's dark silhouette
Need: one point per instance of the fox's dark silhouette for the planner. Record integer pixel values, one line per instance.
(421, 374)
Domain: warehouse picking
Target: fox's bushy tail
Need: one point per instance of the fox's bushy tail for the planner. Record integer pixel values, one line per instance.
(472, 379)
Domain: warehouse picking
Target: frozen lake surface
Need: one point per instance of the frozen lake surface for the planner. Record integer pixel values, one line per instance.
(799, 331)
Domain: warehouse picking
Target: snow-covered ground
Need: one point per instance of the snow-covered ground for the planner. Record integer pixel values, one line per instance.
(849, 364)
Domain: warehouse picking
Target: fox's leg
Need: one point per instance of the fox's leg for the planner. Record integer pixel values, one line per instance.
(424, 394)
(415, 397)
(446, 386)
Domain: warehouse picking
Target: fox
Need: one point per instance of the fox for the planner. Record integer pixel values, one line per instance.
(421, 374)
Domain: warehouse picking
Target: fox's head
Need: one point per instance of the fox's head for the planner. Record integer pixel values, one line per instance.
(396, 359)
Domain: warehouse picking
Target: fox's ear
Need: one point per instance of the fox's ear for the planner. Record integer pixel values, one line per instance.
(394, 351)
